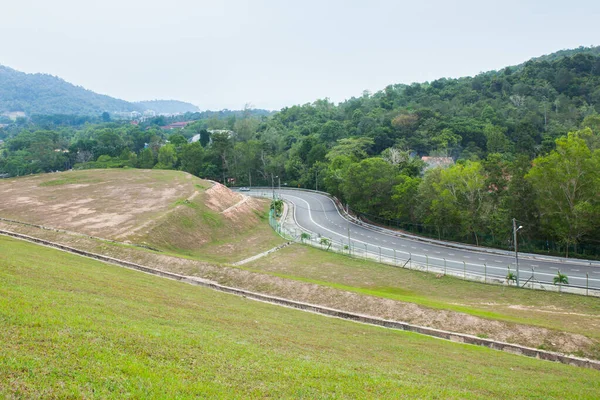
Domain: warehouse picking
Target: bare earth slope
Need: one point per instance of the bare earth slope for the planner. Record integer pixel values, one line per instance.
(169, 210)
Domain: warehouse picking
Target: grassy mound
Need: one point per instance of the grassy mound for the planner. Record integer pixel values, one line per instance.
(169, 210)
(74, 327)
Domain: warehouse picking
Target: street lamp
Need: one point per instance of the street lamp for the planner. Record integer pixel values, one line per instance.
(515, 230)
(273, 185)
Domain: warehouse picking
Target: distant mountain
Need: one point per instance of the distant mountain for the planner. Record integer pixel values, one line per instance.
(47, 94)
(44, 94)
(167, 106)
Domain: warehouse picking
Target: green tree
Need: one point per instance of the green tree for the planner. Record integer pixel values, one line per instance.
(375, 177)
(192, 158)
(354, 148)
(146, 159)
(167, 157)
(567, 183)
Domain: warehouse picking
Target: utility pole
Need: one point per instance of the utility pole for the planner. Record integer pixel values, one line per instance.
(316, 180)
(273, 185)
(250, 178)
(348, 222)
(515, 230)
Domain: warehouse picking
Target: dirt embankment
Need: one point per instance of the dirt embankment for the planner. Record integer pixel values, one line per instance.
(105, 203)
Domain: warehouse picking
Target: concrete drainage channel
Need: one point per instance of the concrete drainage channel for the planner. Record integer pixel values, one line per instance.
(451, 336)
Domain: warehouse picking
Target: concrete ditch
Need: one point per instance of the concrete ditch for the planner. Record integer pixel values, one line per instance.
(441, 334)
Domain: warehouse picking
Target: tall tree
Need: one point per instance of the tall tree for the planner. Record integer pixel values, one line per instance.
(567, 183)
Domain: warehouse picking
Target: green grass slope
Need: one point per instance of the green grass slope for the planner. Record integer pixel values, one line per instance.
(561, 312)
(71, 327)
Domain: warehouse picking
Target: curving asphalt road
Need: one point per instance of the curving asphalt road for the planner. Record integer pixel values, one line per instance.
(317, 213)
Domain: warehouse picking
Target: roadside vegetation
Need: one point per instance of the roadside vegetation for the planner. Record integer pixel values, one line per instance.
(74, 327)
(561, 312)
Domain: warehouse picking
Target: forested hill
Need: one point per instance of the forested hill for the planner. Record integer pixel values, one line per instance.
(167, 106)
(513, 110)
(47, 94)
(593, 50)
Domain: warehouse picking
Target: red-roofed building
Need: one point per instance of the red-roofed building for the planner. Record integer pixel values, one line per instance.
(176, 125)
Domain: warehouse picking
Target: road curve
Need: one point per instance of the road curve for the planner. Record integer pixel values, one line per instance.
(317, 213)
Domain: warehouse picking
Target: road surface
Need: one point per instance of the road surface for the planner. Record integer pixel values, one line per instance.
(317, 213)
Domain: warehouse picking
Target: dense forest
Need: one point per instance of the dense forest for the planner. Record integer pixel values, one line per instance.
(47, 94)
(522, 142)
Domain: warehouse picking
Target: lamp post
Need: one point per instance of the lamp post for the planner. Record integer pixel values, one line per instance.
(273, 185)
(515, 230)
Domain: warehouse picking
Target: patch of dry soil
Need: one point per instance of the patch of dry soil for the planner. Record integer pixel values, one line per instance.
(112, 203)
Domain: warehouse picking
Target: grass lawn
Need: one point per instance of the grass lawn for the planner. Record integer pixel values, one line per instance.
(194, 231)
(74, 327)
(571, 313)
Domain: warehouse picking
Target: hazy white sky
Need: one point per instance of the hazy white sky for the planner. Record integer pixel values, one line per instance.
(223, 54)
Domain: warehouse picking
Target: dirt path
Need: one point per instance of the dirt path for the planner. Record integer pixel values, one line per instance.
(263, 254)
(236, 205)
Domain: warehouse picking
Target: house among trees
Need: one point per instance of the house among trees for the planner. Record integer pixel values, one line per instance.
(434, 162)
(176, 125)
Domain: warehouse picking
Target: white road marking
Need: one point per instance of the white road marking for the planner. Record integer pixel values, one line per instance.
(358, 241)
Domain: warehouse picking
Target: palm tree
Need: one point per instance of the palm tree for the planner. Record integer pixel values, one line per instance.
(561, 279)
(511, 277)
(326, 242)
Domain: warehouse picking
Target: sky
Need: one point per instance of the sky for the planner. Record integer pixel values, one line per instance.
(272, 54)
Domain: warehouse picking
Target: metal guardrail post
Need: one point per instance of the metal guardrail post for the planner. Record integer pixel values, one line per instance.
(464, 270)
(484, 273)
(444, 266)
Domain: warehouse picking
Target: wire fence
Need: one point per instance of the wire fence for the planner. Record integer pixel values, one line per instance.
(490, 274)
(499, 240)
